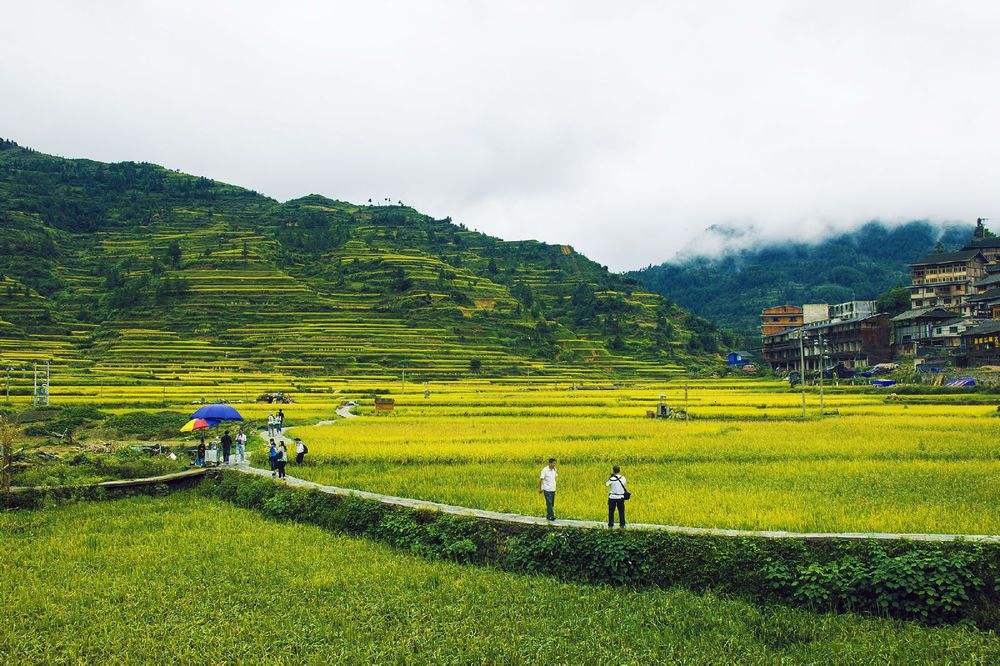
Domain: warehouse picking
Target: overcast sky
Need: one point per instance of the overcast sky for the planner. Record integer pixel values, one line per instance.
(624, 129)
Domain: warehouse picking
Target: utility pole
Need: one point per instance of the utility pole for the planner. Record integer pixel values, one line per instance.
(802, 369)
(10, 369)
(822, 370)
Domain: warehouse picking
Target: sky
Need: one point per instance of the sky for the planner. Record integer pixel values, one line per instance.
(623, 129)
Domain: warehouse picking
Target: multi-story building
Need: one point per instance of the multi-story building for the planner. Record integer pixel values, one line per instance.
(852, 310)
(916, 327)
(780, 318)
(813, 312)
(855, 342)
(946, 279)
(987, 244)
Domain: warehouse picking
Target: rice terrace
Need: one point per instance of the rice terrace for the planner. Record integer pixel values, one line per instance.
(499, 333)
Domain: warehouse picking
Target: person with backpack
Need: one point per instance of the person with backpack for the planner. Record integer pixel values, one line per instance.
(300, 451)
(270, 424)
(272, 457)
(617, 494)
(282, 460)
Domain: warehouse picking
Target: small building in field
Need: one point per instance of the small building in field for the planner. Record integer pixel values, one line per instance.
(780, 318)
(738, 359)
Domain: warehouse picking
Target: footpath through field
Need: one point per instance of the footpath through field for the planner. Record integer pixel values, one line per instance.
(519, 519)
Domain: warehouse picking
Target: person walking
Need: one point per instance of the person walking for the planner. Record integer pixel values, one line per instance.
(617, 494)
(241, 446)
(270, 424)
(547, 487)
(227, 446)
(300, 451)
(279, 420)
(200, 455)
(272, 457)
(282, 460)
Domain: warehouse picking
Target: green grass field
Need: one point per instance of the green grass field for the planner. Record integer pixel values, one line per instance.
(187, 579)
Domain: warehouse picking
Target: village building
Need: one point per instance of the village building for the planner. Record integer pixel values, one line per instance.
(989, 245)
(986, 304)
(852, 310)
(915, 327)
(982, 343)
(814, 312)
(854, 342)
(780, 318)
(946, 279)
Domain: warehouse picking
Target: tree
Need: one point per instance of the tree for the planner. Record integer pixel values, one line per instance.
(246, 252)
(7, 434)
(894, 301)
(475, 365)
(174, 253)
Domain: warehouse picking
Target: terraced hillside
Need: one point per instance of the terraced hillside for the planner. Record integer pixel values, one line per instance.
(133, 273)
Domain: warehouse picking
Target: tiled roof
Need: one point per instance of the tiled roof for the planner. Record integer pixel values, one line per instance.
(946, 257)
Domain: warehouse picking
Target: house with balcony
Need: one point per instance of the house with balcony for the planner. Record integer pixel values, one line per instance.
(946, 279)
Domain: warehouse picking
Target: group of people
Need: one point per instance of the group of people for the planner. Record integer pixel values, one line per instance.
(275, 423)
(277, 455)
(617, 492)
(220, 452)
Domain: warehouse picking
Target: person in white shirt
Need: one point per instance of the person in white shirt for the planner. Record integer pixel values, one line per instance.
(300, 451)
(241, 446)
(616, 496)
(547, 487)
(270, 425)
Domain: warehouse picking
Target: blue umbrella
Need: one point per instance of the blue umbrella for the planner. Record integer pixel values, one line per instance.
(217, 413)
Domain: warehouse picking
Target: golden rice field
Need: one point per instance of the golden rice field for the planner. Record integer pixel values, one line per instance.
(743, 461)
(861, 461)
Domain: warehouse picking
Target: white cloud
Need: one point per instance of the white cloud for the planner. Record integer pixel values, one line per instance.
(624, 130)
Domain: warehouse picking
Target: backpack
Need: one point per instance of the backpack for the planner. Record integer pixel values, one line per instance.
(305, 449)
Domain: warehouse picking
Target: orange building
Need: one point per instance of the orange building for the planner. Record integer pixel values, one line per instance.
(780, 318)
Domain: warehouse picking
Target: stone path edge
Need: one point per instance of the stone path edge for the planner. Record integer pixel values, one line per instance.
(519, 519)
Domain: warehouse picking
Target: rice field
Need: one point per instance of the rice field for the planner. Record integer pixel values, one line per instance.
(744, 461)
(183, 579)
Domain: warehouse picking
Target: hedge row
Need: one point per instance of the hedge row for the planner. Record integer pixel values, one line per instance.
(930, 582)
(41, 498)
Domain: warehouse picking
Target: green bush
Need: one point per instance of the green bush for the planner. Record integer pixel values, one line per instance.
(145, 425)
(929, 582)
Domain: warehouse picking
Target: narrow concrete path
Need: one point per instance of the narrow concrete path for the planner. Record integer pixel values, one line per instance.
(344, 412)
(519, 519)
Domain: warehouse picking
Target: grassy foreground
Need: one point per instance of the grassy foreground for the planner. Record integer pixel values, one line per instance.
(184, 578)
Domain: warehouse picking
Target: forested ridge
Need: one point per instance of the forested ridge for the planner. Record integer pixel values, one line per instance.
(733, 288)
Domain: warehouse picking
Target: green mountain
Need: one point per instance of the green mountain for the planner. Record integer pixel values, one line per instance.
(132, 270)
(733, 288)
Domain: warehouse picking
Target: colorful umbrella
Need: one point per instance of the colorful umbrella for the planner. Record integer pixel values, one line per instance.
(217, 413)
(195, 424)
